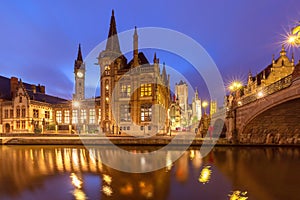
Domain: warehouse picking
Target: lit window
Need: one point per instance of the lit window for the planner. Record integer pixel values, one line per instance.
(67, 116)
(107, 70)
(74, 116)
(23, 124)
(18, 124)
(146, 112)
(125, 113)
(35, 113)
(146, 90)
(92, 116)
(58, 116)
(99, 115)
(47, 114)
(106, 85)
(125, 90)
(83, 116)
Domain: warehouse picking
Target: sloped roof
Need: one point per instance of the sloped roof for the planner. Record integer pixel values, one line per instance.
(37, 96)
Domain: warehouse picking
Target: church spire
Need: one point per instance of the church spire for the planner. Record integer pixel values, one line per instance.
(79, 55)
(135, 48)
(112, 43)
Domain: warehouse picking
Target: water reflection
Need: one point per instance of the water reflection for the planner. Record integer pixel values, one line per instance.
(33, 172)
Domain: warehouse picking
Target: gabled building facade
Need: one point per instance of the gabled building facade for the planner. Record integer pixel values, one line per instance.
(135, 95)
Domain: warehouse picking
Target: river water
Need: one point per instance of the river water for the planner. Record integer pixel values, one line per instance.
(64, 172)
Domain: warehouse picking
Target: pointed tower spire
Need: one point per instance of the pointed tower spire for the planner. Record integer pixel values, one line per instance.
(164, 73)
(112, 43)
(79, 60)
(196, 94)
(79, 55)
(135, 48)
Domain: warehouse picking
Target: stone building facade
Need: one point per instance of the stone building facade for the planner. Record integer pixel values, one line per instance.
(135, 95)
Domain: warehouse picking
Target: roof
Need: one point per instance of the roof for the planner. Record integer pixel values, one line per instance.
(142, 60)
(5, 92)
(4, 88)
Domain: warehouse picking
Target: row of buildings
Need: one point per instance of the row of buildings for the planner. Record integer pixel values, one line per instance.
(135, 98)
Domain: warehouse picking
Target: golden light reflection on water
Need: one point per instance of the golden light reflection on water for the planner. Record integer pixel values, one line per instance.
(82, 169)
(238, 195)
(76, 181)
(205, 175)
(107, 190)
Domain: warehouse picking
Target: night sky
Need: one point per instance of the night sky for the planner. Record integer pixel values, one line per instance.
(39, 39)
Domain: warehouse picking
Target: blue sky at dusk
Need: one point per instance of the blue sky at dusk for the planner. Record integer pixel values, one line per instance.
(39, 39)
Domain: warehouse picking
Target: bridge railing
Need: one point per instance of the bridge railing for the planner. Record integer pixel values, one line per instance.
(267, 90)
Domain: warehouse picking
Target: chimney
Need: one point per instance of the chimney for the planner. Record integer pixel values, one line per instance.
(13, 86)
(42, 89)
(33, 88)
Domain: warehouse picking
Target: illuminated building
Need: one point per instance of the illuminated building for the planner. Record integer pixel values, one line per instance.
(129, 90)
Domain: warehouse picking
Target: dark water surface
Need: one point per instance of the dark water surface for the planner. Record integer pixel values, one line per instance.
(60, 172)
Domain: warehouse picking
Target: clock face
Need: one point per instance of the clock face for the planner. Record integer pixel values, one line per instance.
(79, 74)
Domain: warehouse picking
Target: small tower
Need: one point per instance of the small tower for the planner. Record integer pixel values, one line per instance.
(108, 61)
(79, 73)
(135, 48)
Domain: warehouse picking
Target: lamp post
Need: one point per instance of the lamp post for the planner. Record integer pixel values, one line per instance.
(232, 106)
(204, 105)
(293, 38)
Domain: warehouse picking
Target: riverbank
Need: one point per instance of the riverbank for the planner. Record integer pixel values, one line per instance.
(120, 140)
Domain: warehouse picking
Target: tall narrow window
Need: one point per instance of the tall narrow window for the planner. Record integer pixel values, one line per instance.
(125, 90)
(82, 116)
(125, 113)
(74, 116)
(18, 124)
(23, 112)
(67, 117)
(11, 113)
(146, 112)
(23, 125)
(99, 115)
(6, 113)
(47, 114)
(18, 114)
(146, 90)
(35, 113)
(58, 116)
(92, 116)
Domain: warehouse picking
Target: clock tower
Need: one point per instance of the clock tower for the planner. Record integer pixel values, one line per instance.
(79, 72)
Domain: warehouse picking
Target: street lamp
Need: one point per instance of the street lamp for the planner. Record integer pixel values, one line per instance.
(235, 85)
(204, 105)
(293, 38)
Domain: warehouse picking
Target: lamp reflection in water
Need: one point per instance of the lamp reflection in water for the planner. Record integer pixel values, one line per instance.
(238, 195)
(78, 193)
(205, 175)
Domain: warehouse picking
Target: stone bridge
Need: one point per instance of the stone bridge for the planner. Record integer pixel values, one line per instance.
(272, 116)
